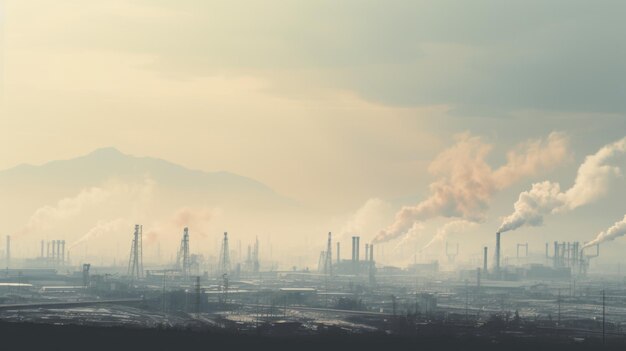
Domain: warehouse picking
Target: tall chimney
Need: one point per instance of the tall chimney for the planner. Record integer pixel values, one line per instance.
(8, 251)
(58, 250)
(358, 246)
(367, 252)
(371, 252)
(53, 251)
(63, 251)
(48, 250)
(353, 248)
(485, 259)
(497, 265)
(338, 253)
(556, 254)
(42, 244)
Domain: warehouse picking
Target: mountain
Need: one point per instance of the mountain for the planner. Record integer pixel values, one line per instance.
(28, 187)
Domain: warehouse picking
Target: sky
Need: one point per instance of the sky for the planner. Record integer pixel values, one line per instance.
(341, 106)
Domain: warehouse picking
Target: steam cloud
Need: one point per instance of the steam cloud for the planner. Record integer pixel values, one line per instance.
(65, 208)
(101, 228)
(368, 219)
(618, 229)
(448, 229)
(195, 218)
(466, 183)
(592, 182)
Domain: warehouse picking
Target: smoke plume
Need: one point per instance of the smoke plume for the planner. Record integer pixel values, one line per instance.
(450, 228)
(618, 229)
(466, 182)
(197, 219)
(65, 208)
(101, 228)
(113, 194)
(367, 220)
(592, 182)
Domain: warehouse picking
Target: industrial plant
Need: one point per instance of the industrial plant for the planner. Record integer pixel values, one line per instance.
(557, 296)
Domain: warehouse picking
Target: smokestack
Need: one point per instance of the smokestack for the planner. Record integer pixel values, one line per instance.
(63, 251)
(352, 259)
(556, 254)
(42, 244)
(8, 251)
(58, 250)
(367, 252)
(338, 253)
(485, 259)
(53, 251)
(48, 250)
(371, 252)
(497, 264)
(358, 246)
(547, 254)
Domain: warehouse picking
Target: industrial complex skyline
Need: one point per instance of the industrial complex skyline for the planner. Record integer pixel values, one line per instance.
(203, 166)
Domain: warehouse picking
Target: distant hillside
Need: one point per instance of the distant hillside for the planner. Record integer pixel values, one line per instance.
(28, 187)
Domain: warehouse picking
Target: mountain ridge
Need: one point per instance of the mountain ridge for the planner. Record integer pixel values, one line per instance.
(105, 163)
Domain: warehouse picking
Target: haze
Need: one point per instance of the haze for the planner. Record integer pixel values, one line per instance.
(309, 117)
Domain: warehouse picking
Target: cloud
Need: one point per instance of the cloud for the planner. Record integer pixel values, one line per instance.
(400, 52)
(592, 182)
(466, 182)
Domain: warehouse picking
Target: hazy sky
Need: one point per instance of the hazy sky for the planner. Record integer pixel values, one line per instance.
(331, 103)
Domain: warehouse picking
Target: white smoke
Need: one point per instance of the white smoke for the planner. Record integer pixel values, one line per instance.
(543, 198)
(618, 229)
(65, 208)
(197, 219)
(415, 231)
(450, 228)
(367, 219)
(112, 195)
(592, 182)
(466, 182)
(100, 229)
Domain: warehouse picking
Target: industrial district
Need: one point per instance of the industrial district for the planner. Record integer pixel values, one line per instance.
(554, 296)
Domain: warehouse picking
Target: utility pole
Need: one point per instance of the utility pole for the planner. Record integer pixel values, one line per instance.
(224, 262)
(163, 292)
(603, 316)
(198, 299)
(285, 310)
(466, 301)
(135, 262)
(182, 258)
(558, 321)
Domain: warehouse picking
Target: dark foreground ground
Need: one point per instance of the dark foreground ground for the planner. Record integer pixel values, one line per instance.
(30, 336)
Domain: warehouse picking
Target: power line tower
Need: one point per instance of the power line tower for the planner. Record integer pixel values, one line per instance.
(182, 259)
(451, 254)
(135, 263)
(224, 263)
(328, 257)
(255, 256)
(198, 297)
